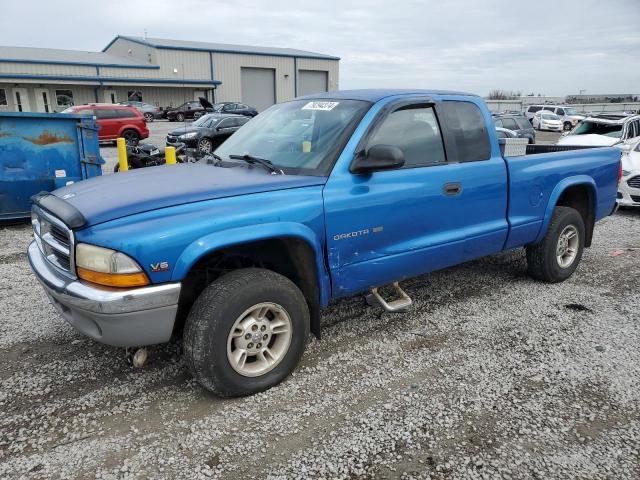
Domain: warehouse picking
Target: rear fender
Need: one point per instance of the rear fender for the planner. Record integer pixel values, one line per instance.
(557, 193)
(237, 236)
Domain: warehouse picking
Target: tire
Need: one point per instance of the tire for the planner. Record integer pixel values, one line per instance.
(542, 259)
(148, 117)
(205, 145)
(208, 340)
(567, 126)
(180, 117)
(131, 136)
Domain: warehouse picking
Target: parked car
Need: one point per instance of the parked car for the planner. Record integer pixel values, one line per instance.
(517, 123)
(115, 121)
(569, 115)
(189, 110)
(207, 132)
(629, 187)
(240, 252)
(505, 133)
(604, 130)
(234, 107)
(149, 112)
(544, 120)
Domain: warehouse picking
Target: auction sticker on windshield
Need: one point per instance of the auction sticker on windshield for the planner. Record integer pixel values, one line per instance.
(326, 106)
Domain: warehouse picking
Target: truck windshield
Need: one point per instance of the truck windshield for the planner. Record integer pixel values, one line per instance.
(301, 137)
(595, 128)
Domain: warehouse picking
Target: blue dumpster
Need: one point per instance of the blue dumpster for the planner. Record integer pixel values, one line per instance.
(43, 151)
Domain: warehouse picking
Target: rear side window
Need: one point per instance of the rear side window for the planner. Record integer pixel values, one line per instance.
(510, 123)
(469, 130)
(523, 122)
(534, 108)
(416, 132)
(105, 113)
(125, 114)
(559, 111)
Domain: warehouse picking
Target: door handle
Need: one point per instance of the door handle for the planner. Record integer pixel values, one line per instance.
(452, 189)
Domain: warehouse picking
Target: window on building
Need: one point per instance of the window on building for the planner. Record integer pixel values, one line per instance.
(3, 97)
(64, 98)
(467, 124)
(134, 95)
(415, 131)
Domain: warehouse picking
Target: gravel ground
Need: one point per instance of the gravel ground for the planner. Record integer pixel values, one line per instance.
(488, 375)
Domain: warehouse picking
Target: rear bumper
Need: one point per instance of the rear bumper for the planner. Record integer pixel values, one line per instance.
(119, 317)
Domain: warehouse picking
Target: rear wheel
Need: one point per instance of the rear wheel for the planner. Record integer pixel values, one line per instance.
(148, 117)
(131, 137)
(246, 332)
(558, 255)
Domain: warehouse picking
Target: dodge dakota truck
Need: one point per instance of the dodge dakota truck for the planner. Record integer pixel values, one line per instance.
(314, 199)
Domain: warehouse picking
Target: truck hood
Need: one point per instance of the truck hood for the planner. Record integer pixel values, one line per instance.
(101, 199)
(589, 140)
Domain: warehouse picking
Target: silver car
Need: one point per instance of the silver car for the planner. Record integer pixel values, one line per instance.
(150, 112)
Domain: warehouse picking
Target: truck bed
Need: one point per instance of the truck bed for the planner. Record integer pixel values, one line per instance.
(537, 179)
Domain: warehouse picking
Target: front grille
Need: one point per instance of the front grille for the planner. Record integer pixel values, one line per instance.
(635, 198)
(634, 182)
(54, 239)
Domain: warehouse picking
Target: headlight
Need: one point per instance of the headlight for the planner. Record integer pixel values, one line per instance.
(186, 136)
(108, 267)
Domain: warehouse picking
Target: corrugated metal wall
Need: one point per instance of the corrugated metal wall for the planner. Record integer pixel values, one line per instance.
(227, 69)
(330, 66)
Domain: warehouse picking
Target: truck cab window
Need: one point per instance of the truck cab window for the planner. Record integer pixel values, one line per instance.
(416, 132)
(469, 129)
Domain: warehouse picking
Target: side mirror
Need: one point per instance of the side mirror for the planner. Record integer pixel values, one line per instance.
(378, 157)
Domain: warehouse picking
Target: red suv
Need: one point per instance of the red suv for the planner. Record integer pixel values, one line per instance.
(115, 121)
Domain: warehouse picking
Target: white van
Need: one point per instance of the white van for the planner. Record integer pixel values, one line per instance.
(569, 115)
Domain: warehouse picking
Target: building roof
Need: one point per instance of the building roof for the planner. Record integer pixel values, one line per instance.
(373, 95)
(222, 47)
(68, 57)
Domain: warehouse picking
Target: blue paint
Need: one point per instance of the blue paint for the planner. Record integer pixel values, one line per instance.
(83, 64)
(180, 214)
(33, 146)
(101, 79)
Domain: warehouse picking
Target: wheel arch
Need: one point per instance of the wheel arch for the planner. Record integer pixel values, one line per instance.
(578, 192)
(292, 250)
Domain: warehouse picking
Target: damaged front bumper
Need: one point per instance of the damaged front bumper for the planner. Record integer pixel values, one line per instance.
(119, 317)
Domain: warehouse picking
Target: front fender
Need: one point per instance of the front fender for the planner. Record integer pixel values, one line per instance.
(237, 236)
(557, 192)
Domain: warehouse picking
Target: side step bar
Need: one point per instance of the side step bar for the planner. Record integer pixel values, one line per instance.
(401, 303)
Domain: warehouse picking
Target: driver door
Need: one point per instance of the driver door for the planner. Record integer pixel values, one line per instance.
(446, 205)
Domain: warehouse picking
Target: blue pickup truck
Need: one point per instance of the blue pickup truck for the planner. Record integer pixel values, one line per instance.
(315, 199)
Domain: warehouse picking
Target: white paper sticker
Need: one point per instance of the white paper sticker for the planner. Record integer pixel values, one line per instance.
(326, 106)
(61, 173)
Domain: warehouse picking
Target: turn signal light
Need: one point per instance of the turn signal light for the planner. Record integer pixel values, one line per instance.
(113, 279)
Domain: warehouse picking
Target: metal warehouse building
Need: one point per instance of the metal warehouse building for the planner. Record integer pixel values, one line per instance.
(160, 72)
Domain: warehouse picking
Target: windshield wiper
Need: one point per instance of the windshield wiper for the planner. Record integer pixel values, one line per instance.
(251, 160)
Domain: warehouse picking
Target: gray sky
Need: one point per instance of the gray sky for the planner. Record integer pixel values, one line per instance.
(551, 47)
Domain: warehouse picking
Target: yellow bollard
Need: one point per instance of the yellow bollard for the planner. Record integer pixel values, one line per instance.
(122, 154)
(170, 155)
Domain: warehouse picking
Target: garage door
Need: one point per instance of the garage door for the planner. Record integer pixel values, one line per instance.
(312, 81)
(258, 87)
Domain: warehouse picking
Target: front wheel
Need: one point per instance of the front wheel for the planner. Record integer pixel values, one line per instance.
(558, 255)
(246, 332)
(567, 126)
(180, 117)
(205, 145)
(149, 117)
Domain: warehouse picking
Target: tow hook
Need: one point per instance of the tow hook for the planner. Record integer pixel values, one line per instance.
(137, 357)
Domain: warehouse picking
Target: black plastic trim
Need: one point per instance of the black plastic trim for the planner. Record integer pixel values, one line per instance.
(56, 206)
